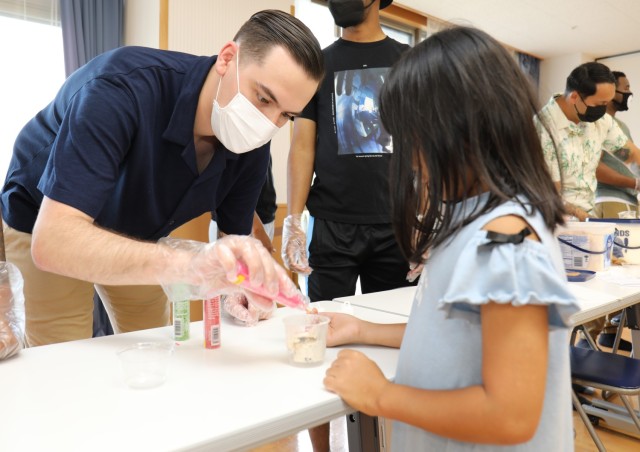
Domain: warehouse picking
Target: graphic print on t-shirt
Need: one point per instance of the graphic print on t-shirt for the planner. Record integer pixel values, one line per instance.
(359, 127)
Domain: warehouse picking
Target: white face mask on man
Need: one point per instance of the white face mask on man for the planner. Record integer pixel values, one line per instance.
(240, 126)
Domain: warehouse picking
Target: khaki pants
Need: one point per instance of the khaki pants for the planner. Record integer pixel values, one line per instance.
(610, 209)
(60, 309)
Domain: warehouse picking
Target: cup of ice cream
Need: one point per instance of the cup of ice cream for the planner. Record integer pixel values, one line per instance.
(306, 336)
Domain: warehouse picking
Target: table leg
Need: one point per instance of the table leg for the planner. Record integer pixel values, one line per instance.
(363, 433)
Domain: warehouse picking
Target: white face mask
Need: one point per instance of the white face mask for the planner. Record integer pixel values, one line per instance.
(240, 126)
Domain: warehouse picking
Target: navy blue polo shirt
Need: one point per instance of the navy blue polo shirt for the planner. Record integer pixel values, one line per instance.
(117, 144)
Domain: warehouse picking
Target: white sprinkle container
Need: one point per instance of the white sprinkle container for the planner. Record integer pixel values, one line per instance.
(626, 244)
(586, 245)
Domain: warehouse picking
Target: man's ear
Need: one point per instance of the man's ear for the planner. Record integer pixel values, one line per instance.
(226, 55)
(573, 97)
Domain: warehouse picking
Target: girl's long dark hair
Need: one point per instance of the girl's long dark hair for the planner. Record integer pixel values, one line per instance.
(459, 104)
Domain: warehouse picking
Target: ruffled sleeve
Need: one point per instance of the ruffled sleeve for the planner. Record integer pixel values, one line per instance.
(519, 274)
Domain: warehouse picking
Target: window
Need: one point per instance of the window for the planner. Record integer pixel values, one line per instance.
(33, 66)
(317, 17)
(404, 25)
(399, 33)
(397, 22)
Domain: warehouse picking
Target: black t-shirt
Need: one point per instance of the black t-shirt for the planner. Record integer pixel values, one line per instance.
(352, 147)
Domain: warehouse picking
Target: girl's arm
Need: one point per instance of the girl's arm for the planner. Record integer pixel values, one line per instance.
(346, 329)
(515, 345)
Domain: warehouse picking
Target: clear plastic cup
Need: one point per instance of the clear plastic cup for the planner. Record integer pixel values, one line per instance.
(144, 364)
(627, 214)
(306, 336)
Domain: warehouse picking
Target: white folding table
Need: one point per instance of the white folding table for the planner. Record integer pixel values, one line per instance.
(71, 396)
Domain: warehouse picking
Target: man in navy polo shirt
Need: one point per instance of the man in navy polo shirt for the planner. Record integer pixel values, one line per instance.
(136, 143)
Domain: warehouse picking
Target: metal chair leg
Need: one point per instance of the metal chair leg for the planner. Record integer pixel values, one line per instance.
(631, 411)
(587, 422)
(616, 341)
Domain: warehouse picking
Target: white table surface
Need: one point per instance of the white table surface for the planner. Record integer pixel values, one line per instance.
(395, 301)
(596, 298)
(71, 396)
(600, 296)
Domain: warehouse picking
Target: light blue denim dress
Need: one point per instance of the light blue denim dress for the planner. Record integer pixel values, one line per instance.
(442, 345)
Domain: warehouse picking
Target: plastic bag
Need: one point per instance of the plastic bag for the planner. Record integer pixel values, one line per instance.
(11, 310)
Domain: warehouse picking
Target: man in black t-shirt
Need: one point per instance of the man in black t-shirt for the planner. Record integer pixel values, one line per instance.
(263, 227)
(339, 137)
(266, 212)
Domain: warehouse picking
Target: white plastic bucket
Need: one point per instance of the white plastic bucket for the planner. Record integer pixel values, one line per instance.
(586, 245)
(626, 244)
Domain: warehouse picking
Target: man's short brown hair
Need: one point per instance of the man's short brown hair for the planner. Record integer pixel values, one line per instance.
(270, 28)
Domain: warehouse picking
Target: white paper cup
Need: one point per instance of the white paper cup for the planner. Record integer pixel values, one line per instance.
(306, 336)
(144, 365)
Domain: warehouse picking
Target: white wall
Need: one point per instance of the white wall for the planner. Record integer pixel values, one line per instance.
(142, 23)
(554, 73)
(630, 65)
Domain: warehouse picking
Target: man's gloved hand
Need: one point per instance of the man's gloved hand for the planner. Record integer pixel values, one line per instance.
(414, 271)
(200, 270)
(238, 307)
(11, 310)
(294, 245)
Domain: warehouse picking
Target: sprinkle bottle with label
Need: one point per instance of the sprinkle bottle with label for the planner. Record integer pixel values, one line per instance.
(211, 322)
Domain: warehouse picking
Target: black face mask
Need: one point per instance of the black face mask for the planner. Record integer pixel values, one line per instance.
(348, 13)
(591, 114)
(622, 105)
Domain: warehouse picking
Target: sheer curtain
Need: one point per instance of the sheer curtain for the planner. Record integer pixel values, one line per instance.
(32, 63)
(89, 28)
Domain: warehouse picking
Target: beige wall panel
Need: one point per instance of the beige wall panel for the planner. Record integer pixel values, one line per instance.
(141, 23)
(202, 27)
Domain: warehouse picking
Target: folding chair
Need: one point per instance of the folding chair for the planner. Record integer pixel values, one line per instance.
(608, 372)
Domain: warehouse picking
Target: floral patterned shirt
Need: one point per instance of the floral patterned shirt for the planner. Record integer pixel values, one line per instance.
(578, 148)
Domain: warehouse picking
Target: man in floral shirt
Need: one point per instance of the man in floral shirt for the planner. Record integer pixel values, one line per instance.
(574, 130)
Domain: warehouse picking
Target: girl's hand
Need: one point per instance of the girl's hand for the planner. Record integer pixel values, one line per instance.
(343, 329)
(357, 380)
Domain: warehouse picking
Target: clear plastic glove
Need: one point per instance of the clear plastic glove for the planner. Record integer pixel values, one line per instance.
(414, 271)
(294, 245)
(203, 270)
(415, 268)
(237, 306)
(11, 310)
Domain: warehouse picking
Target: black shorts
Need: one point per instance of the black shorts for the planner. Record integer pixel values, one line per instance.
(339, 253)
